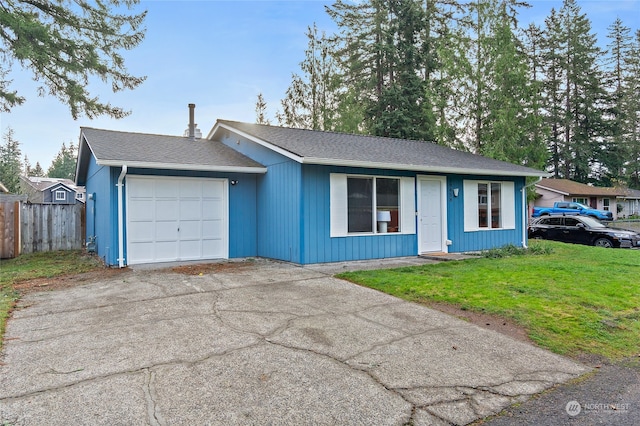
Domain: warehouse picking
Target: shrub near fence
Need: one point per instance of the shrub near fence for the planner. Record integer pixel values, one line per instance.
(51, 227)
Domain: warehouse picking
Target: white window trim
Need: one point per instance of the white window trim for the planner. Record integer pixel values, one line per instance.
(338, 205)
(58, 197)
(507, 205)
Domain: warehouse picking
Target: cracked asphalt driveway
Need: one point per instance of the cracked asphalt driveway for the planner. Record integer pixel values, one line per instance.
(258, 343)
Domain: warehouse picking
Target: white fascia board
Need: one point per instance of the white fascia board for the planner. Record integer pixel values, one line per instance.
(174, 166)
(416, 168)
(259, 141)
(553, 190)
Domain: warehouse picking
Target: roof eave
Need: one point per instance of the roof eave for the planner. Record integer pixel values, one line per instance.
(552, 190)
(419, 168)
(255, 139)
(176, 166)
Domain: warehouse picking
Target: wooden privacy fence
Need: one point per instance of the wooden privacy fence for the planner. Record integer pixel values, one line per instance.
(9, 229)
(51, 227)
(30, 228)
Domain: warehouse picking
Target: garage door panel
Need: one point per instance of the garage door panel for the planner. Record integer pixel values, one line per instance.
(142, 189)
(213, 187)
(190, 230)
(190, 250)
(172, 219)
(166, 231)
(141, 232)
(191, 189)
(167, 188)
(166, 251)
(141, 251)
(212, 209)
(190, 209)
(210, 247)
(167, 210)
(212, 229)
(141, 210)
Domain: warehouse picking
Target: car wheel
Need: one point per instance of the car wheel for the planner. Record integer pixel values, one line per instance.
(603, 242)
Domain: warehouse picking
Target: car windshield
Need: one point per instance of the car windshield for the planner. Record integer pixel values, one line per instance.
(592, 223)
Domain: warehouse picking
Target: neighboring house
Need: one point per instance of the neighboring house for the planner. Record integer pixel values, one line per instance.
(296, 195)
(629, 202)
(551, 190)
(42, 190)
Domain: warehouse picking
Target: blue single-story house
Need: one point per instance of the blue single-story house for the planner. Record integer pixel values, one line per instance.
(296, 195)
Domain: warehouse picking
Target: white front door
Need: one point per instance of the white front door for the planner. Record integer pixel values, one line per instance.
(431, 214)
(176, 218)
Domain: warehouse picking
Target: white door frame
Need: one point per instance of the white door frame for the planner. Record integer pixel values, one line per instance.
(443, 210)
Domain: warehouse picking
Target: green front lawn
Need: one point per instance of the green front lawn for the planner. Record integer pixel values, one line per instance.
(38, 265)
(572, 299)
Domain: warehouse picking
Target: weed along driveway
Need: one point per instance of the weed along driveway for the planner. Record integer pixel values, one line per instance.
(255, 342)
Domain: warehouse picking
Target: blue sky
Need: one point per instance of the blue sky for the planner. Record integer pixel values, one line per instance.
(218, 55)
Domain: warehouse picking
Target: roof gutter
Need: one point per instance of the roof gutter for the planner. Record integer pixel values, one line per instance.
(525, 211)
(120, 184)
(191, 167)
(420, 168)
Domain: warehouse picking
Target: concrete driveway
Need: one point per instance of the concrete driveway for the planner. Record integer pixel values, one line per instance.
(257, 342)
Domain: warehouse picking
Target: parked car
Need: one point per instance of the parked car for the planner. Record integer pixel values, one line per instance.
(582, 230)
(565, 208)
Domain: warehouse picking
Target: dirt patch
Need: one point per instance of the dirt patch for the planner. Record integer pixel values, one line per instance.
(488, 321)
(210, 268)
(67, 281)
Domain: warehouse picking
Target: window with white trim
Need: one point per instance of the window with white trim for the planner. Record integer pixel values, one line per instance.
(61, 195)
(580, 200)
(606, 204)
(488, 205)
(363, 204)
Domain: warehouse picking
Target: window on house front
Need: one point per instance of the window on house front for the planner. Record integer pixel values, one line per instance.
(605, 204)
(488, 205)
(360, 204)
(371, 205)
(580, 200)
(61, 195)
(370, 199)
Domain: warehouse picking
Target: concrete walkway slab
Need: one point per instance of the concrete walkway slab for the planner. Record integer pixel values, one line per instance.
(256, 342)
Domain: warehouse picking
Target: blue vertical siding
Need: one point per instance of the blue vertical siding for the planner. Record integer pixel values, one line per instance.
(486, 239)
(279, 213)
(279, 200)
(101, 212)
(318, 246)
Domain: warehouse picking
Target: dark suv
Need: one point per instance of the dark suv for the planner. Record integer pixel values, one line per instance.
(582, 230)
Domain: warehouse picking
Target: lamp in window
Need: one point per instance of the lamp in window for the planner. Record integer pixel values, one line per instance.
(383, 217)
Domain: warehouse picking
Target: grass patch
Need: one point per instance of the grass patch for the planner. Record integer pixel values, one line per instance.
(38, 265)
(572, 299)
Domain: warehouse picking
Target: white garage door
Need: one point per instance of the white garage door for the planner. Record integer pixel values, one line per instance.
(171, 219)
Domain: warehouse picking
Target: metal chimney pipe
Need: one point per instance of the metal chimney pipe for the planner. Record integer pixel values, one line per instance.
(192, 124)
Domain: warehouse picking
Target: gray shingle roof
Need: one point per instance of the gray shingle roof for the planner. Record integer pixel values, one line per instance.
(147, 150)
(372, 151)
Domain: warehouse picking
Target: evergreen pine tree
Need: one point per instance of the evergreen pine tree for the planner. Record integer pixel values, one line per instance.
(64, 165)
(10, 163)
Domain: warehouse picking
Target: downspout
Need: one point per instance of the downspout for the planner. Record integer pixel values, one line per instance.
(525, 211)
(120, 217)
